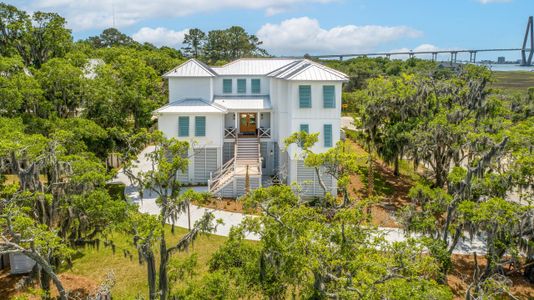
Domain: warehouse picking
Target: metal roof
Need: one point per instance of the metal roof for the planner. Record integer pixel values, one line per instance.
(191, 106)
(252, 66)
(191, 68)
(244, 103)
(282, 68)
(307, 70)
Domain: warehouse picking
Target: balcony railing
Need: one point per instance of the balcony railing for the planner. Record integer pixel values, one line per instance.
(264, 132)
(230, 133)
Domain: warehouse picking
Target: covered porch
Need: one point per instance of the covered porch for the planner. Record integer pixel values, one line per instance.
(247, 117)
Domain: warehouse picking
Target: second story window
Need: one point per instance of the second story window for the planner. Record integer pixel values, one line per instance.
(227, 86)
(305, 96)
(329, 96)
(241, 86)
(183, 126)
(255, 86)
(200, 126)
(305, 128)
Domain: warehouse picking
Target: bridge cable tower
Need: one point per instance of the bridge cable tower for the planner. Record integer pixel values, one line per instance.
(529, 33)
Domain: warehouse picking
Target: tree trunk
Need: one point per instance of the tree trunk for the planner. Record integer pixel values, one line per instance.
(396, 166)
(164, 260)
(151, 271)
(44, 282)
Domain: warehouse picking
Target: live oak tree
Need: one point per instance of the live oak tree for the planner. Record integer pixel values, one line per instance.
(58, 203)
(169, 157)
(307, 251)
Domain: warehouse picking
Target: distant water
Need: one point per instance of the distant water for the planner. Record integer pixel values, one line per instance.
(507, 67)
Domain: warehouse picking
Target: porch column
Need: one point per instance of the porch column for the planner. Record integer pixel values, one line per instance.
(258, 120)
(236, 122)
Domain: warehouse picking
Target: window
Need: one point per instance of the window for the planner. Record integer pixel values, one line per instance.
(304, 96)
(183, 126)
(241, 86)
(227, 86)
(329, 96)
(327, 135)
(255, 86)
(200, 126)
(305, 128)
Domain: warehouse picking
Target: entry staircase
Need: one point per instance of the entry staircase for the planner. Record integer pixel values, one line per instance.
(230, 179)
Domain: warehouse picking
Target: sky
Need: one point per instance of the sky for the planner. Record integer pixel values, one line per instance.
(297, 27)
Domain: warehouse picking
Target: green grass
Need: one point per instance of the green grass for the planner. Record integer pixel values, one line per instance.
(130, 276)
(516, 81)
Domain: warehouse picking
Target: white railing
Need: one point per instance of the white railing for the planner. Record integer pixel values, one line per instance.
(216, 176)
(230, 133)
(264, 132)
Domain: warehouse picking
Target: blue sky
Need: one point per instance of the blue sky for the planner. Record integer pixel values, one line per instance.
(293, 27)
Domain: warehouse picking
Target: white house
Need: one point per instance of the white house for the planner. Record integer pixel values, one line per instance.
(237, 116)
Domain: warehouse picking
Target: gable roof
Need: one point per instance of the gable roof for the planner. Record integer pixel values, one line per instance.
(191, 106)
(307, 70)
(191, 68)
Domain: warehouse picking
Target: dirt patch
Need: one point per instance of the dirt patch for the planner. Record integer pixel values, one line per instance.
(79, 287)
(226, 204)
(394, 191)
(462, 275)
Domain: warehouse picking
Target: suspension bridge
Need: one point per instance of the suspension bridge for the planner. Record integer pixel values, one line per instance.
(526, 50)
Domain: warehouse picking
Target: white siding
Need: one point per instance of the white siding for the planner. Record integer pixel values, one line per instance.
(168, 124)
(190, 88)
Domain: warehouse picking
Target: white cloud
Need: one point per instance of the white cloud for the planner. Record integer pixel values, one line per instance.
(97, 14)
(304, 35)
(493, 1)
(160, 36)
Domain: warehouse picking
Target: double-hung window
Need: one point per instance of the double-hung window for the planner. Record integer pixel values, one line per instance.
(255, 86)
(327, 133)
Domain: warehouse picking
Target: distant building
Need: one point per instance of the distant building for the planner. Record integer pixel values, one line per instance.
(501, 60)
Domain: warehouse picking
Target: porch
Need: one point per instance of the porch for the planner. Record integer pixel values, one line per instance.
(247, 124)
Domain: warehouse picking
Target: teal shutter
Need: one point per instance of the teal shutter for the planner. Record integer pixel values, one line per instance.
(200, 126)
(227, 86)
(329, 96)
(183, 126)
(305, 128)
(241, 86)
(328, 135)
(255, 86)
(304, 96)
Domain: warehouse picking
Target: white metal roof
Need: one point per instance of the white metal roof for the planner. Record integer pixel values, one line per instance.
(191, 68)
(244, 103)
(252, 66)
(308, 70)
(191, 106)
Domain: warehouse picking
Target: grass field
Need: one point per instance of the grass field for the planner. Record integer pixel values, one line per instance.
(129, 274)
(517, 81)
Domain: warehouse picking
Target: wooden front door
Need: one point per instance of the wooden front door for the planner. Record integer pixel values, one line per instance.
(247, 123)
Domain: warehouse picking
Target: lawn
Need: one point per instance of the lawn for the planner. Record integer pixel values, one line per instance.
(516, 81)
(130, 276)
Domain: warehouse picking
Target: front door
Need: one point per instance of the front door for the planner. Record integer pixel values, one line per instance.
(247, 123)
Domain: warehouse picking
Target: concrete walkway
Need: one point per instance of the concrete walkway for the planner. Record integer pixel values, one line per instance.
(147, 204)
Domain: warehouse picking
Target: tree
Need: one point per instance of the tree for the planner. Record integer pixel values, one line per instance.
(232, 43)
(13, 23)
(310, 252)
(112, 37)
(64, 87)
(169, 157)
(60, 199)
(194, 40)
